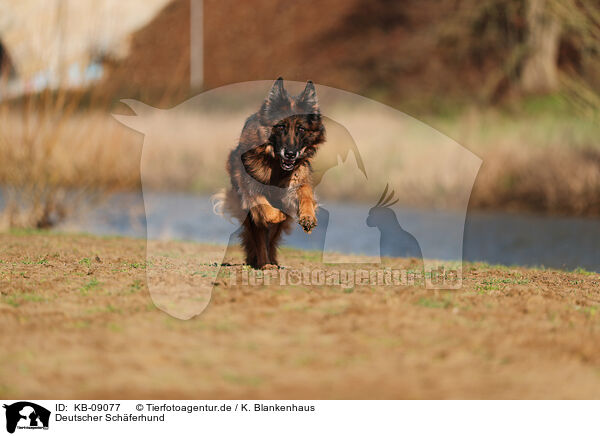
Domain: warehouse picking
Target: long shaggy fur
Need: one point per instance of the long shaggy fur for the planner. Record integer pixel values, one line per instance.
(270, 172)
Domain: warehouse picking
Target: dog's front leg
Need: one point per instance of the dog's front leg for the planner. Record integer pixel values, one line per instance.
(306, 208)
(263, 213)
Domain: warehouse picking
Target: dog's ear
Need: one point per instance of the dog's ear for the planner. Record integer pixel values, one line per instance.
(277, 90)
(277, 101)
(307, 99)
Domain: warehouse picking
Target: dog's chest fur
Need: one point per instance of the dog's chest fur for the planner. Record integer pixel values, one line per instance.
(280, 189)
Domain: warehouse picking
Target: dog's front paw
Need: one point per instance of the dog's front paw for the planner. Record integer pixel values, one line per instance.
(308, 222)
(265, 215)
(274, 216)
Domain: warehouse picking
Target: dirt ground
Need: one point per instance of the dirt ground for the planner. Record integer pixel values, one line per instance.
(77, 321)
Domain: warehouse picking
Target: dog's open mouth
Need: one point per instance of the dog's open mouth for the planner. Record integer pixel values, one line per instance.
(288, 164)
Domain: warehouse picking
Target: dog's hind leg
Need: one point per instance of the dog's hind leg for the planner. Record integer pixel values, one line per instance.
(275, 232)
(262, 256)
(254, 241)
(274, 238)
(248, 244)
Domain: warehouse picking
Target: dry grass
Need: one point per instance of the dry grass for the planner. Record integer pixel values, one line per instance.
(546, 161)
(56, 153)
(539, 162)
(555, 180)
(82, 325)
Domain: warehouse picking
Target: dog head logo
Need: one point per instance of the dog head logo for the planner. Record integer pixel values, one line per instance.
(26, 415)
(386, 145)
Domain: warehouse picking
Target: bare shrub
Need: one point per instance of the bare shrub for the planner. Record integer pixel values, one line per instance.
(56, 155)
(545, 180)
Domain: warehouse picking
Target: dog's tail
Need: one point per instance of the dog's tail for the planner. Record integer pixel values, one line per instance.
(218, 202)
(226, 204)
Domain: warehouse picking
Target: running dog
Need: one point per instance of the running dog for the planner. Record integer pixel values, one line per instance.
(270, 171)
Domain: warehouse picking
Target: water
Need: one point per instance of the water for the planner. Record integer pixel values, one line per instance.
(503, 238)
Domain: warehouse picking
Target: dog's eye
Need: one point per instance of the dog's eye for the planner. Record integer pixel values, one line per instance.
(300, 129)
(280, 127)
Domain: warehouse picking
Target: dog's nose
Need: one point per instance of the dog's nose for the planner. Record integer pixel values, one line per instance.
(290, 154)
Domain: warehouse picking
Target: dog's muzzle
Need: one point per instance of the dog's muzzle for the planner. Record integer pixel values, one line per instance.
(288, 159)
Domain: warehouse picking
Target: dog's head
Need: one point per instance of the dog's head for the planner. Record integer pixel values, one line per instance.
(294, 124)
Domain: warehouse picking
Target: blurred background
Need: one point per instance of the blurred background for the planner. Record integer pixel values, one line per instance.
(517, 82)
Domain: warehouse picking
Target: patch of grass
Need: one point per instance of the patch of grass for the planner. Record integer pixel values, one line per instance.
(482, 265)
(244, 380)
(11, 301)
(588, 311)
(138, 265)
(109, 308)
(135, 286)
(334, 309)
(224, 326)
(496, 284)
(82, 324)
(583, 271)
(85, 261)
(18, 231)
(112, 309)
(545, 105)
(114, 327)
(296, 307)
(434, 304)
(35, 298)
(311, 256)
(483, 288)
(40, 261)
(213, 273)
(92, 284)
(5, 391)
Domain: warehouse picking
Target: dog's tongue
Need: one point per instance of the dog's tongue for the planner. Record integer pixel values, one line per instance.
(287, 164)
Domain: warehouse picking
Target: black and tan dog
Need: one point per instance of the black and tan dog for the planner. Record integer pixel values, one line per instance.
(270, 172)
